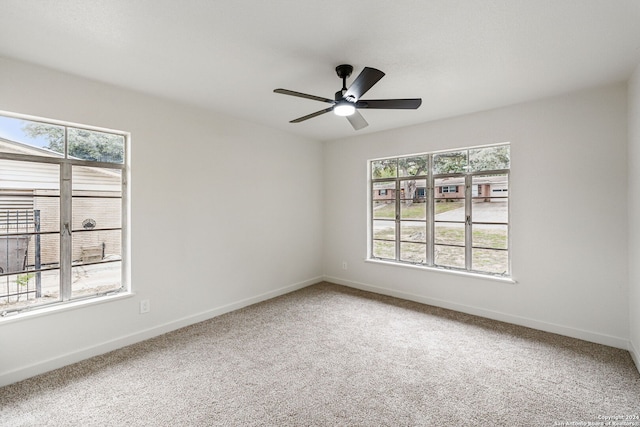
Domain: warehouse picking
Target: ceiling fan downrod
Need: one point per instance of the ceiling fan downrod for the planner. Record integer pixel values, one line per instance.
(343, 71)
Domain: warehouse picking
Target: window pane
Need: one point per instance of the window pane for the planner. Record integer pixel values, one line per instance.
(449, 188)
(413, 189)
(412, 210)
(413, 231)
(490, 236)
(490, 261)
(15, 199)
(22, 176)
(383, 199)
(29, 192)
(96, 246)
(94, 213)
(95, 279)
(21, 290)
(13, 253)
(449, 234)
(28, 253)
(490, 210)
(96, 202)
(386, 168)
(413, 252)
(487, 186)
(450, 162)
(27, 137)
(384, 249)
(48, 210)
(96, 146)
(47, 246)
(452, 210)
(449, 256)
(44, 219)
(385, 230)
(412, 166)
(490, 158)
(385, 210)
(89, 179)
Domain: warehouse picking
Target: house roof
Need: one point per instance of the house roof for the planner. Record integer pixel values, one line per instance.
(480, 179)
(46, 176)
(459, 56)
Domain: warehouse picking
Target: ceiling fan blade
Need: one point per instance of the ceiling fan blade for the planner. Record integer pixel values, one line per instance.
(391, 104)
(367, 78)
(304, 95)
(357, 121)
(312, 115)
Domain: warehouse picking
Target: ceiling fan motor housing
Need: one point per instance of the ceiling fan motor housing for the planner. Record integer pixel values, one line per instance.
(344, 70)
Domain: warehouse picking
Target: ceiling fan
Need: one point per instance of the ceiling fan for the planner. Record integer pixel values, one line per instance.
(347, 102)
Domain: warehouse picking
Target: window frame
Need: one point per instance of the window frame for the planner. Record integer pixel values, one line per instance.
(66, 230)
(430, 221)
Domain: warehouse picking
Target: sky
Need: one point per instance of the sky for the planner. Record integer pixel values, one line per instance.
(11, 128)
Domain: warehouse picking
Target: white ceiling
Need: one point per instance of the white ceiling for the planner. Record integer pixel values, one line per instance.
(459, 56)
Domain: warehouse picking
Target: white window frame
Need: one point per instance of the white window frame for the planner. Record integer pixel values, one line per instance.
(447, 189)
(66, 164)
(430, 195)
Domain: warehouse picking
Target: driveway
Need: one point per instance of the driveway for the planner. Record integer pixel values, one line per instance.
(482, 212)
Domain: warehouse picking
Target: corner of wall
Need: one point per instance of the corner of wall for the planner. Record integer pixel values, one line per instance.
(635, 355)
(633, 151)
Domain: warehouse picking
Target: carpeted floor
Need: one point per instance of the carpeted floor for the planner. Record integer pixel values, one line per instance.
(330, 355)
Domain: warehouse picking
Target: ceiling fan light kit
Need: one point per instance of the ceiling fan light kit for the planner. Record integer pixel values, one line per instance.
(347, 101)
(344, 108)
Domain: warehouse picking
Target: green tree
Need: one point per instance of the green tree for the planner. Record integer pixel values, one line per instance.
(82, 144)
(451, 162)
(386, 168)
(412, 166)
(490, 158)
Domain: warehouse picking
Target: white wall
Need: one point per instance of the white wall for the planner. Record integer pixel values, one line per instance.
(568, 214)
(199, 181)
(634, 215)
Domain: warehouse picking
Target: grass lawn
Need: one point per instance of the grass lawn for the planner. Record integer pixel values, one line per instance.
(449, 238)
(486, 260)
(414, 211)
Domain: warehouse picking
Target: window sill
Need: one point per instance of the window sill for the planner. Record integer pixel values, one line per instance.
(444, 270)
(60, 307)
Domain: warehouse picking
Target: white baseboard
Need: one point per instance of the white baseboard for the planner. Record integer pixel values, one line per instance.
(635, 355)
(105, 347)
(594, 337)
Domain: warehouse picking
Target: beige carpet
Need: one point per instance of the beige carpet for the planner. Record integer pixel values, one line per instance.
(330, 355)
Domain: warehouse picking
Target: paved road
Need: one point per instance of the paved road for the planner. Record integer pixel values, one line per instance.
(482, 212)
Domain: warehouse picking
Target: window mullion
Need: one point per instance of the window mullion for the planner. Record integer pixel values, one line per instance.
(468, 237)
(65, 231)
(371, 210)
(398, 190)
(430, 211)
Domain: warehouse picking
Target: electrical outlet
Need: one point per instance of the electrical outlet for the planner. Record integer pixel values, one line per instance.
(344, 265)
(145, 306)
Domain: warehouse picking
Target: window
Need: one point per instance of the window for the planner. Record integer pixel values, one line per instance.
(63, 213)
(448, 189)
(450, 210)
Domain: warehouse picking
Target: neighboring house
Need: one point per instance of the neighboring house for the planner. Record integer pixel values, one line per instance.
(96, 199)
(447, 188)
